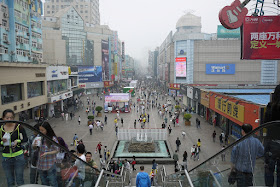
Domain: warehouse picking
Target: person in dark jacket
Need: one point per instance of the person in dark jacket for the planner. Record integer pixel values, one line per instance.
(272, 140)
(12, 136)
(142, 178)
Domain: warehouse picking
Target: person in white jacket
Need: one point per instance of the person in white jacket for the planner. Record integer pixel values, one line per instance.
(193, 151)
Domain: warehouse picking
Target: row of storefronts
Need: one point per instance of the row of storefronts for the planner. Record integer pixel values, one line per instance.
(34, 91)
(222, 110)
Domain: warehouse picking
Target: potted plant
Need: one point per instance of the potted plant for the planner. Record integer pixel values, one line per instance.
(177, 107)
(98, 109)
(90, 119)
(187, 118)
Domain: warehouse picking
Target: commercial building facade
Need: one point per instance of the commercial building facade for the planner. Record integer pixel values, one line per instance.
(88, 9)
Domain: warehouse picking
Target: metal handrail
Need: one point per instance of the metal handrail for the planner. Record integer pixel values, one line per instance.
(71, 181)
(215, 179)
(99, 178)
(189, 178)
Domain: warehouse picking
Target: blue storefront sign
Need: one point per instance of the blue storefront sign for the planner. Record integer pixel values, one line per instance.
(90, 74)
(220, 69)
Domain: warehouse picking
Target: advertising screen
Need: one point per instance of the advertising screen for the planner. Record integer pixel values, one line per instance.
(181, 67)
(220, 69)
(89, 74)
(261, 37)
(105, 59)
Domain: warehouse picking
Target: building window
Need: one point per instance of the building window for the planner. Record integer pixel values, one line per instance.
(4, 23)
(48, 6)
(5, 37)
(86, 11)
(82, 11)
(34, 89)
(57, 86)
(11, 93)
(48, 12)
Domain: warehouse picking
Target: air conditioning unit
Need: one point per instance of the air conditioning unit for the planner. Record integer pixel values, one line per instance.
(17, 43)
(7, 29)
(16, 30)
(12, 52)
(32, 25)
(28, 34)
(29, 57)
(5, 15)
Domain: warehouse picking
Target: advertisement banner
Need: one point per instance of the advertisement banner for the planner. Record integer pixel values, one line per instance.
(116, 98)
(196, 94)
(235, 111)
(181, 67)
(174, 86)
(204, 99)
(261, 37)
(220, 69)
(57, 72)
(222, 32)
(108, 84)
(105, 59)
(89, 74)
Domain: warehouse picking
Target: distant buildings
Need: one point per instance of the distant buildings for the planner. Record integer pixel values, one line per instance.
(87, 9)
(191, 57)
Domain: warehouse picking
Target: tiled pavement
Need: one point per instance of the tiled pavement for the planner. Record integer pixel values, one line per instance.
(67, 129)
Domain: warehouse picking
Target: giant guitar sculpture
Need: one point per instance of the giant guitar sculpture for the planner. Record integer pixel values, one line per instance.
(231, 17)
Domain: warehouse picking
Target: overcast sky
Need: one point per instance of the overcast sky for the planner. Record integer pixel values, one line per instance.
(144, 24)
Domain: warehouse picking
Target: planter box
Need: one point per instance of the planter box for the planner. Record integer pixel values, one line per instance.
(99, 114)
(187, 123)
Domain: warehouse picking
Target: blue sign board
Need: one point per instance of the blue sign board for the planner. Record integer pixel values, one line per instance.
(90, 74)
(220, 69)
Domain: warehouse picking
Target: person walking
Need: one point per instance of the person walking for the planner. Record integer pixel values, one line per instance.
(178, 143)
(214, 136)
(122, 121)
(175, 158)
(79, 120)
(226, 139)
(98, 147)
(133, 162)
(148, 118)
(223, 155)
(193, 151)
(185, 155)
(243, 157)
(199, 144)
(90, 128)
(75, 138)
(198, 124)
(221, 139)
(197, 151)
(163, 125)
(116, 129)
(105, 120)
(135, 124)
(169, 129)
(71, 115)
(127, 169)
(142, 178)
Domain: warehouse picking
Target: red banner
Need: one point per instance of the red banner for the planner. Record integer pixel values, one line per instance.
(261, 37)
(108, 84)
(174, 86)
(181, 59)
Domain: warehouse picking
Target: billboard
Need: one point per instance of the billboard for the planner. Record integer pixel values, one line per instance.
(105, 59)
(220, 69)
(222, 32)
(116, 98)
(181, 67)
(261, 38)
(89, 74)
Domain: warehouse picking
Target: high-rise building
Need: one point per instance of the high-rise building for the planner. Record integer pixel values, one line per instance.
(23, 74)
(88, 9)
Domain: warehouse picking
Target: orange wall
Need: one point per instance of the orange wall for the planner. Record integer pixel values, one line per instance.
(251, 112)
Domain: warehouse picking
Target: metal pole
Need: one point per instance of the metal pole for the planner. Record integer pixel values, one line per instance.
(99, 178)
(189, 178)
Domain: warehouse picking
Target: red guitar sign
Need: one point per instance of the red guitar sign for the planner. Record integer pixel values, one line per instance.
(231, 17)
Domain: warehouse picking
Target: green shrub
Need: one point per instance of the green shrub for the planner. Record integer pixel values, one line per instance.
(187, 117)
(177, 107)
(98, 109)
(90, 117)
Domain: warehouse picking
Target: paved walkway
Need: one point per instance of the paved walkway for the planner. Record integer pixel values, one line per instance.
(107, 137)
